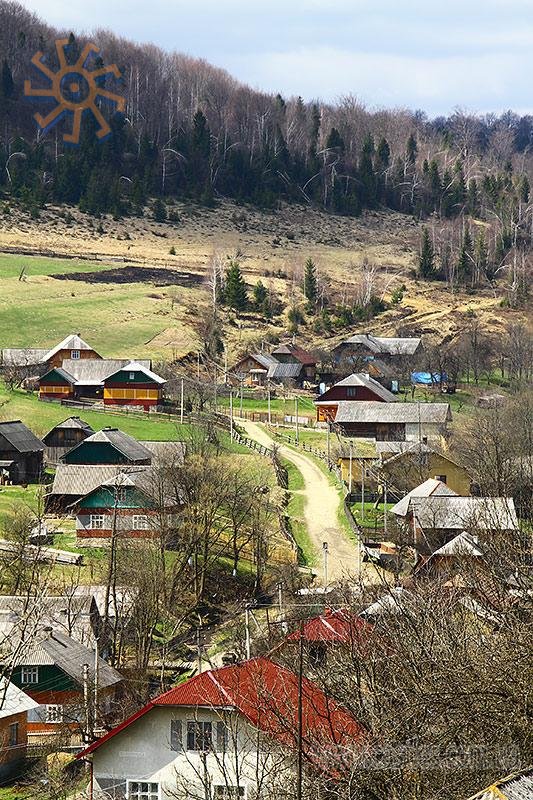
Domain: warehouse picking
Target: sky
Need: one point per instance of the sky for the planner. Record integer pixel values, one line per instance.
(476, 55)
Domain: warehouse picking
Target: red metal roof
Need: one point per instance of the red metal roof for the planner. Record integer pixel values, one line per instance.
(342, 627)
(267, 695)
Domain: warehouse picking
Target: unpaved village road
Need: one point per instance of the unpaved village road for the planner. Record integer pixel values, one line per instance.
(320, 510)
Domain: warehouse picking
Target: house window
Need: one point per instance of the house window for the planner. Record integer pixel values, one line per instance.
(199, 736)
(440, 478)
(228, 792)
(54, 714)
(13, 734)
(132, 376)
(29, 675)
(140, 522)
(97, 522)
(74, 354)
(142, 790)
(351, 391)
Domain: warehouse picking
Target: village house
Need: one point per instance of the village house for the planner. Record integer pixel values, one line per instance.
(21, 454)
(135, 506)
(226, 733)
(109, 446)
(72, 347)
(116, 382)
(64, 436)
(355, 388)
(252, 370)
(14, 707)
(366, 347)
(292, 354)
(334, 629)
(463, 551)
(51, 669)
(397, 422)
(433, 515)
(76, 616)
(416, 462)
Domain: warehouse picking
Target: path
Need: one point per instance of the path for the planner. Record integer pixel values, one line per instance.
(320, 511)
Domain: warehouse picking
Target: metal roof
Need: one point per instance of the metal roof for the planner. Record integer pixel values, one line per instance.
(22, 357)
(430, 487)
(71, 615)
(78, 480)
(166, 451)
(94, 371)
(13, 700)
(374, 411)
(123, 442)
(73, 422)
(389, 345)
(460, 513)
(72, 342)
(518, 786)
(365, 380)
(278, 371)
(336, 627)
(53, 647)
(464, 544)
(137, 366)
(20, 437)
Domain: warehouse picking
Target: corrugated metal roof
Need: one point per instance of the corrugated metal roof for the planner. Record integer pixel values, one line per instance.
(365, 380)
(72, 615)
(341, 627)
(278, 371)
(166, 451)
(72, 422)
(137, 366)
(303, 356)
(123, 442)
(72, 342)
(373, 411)
(459, 513)
(518, 786)
(78, 480)
(430, 487)
(20, 437)
(13, 700)
(464, 544)
(267, 695)
(389, 345)
(94, 371)
(22, 357)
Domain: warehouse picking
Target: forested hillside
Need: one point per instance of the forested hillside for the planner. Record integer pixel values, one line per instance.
(190, 131)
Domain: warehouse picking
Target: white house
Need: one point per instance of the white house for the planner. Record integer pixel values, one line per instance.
(226, 733)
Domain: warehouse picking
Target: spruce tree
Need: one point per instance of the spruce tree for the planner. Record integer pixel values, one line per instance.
(260, 294)
(464, 262)
(481, 256)
(411, 150)
(7, 85)
(310, 282)
(426, 260)
(235, 294)
(383, 154)
(159, 210)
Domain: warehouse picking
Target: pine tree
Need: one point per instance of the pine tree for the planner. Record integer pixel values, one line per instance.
(383, 154)
(481, 256)
(464, 263)
(335, 141)
(159, 210)
(310, 282)
(260, 294)
(366, 173)
(426, 260)
(411, 150)
(235, 294)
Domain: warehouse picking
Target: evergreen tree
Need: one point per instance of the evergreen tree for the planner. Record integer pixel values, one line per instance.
(366, 173)
(481, 256)
(383, 154)
(260, 294)
(411, 150)
(235, 293)
(465, 261)
(159, 210)
(426, 260)
(310, 282)
(7, 85)
(335, 141)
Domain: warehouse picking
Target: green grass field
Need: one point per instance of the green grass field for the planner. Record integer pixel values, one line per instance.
(118, 320)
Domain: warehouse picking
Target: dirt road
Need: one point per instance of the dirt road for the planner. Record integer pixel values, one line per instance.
(321, 504)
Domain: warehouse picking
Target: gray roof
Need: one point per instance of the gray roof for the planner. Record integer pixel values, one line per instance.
(123, 442)
(53, 647)
(373, 411)
(279, 371)
(94, 371)
(71, 615)
(78, 480)
(389, 345)
(464, 544)
(365, 380)
(13, 700)
(460, 513)
(71, 342)
(411, 448)
(265, 359)
(518, 786)
(22, 357)
(20, 437)
(430, 488)
(72, 423)
(166, 452)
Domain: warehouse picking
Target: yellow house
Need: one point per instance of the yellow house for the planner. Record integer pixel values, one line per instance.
(417, 463)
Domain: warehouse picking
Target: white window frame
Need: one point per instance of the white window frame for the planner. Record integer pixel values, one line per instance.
(226, 793)
(147, 795)
(75, 355)
(140, 522)
(100, 525)
(29, 674)
(54, 714)
(132, 376)
(203, 724)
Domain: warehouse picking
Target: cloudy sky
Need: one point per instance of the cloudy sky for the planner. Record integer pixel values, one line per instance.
(422, 54)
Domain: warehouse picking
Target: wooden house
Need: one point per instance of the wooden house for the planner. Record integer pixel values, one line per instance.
(355, 388)
(64, 437)
(109, 446)
(21, 454)
(75, 615)
(339, 629)
(139, 505)
(133, 385)
(397, 422)
(50, 669)
(14, 707)
(252, 369)
(416, 462)
(292, 354)
(225, 733)
(42, 360)
(387, 348)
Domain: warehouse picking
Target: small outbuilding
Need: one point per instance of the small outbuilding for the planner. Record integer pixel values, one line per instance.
(64, 437)
(21, 454)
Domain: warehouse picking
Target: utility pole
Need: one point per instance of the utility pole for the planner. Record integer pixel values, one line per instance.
(198, 650)
(231, 413)
(351, 469)
(297, 426)
(268, 398)
(182, 399)
(241, 400)
(95, 709)
(247, 626)
(225, 366)
(216, 408)
(86, 704)
(362, 489)
(198, 365)
(385, 508)
(325, 549)
(327, 441)
(299, 778)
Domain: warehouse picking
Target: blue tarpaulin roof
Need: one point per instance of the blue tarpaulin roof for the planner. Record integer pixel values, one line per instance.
(428, 378)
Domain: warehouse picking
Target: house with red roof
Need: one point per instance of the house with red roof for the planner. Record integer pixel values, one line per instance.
(226, 733)
(332, 629)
